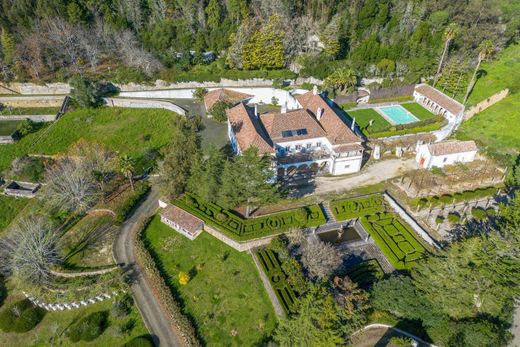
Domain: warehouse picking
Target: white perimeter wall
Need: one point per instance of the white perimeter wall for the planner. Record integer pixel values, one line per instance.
(442, 160)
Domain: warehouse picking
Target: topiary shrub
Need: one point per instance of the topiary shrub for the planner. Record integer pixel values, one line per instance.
(88, 328)
(453, 218)
(400, 341)
(122, 306)
(140, 341)
(478, 213)
(490, 211)
(439, 219)
(21, 317)
(221, 217)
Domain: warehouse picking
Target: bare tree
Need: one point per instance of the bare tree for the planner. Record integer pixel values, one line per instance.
(71, 187)
(30, 251)
(318, 257)
(133, 55)
(98, 160)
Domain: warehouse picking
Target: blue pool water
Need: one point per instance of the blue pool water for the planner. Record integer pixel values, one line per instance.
(398, 114)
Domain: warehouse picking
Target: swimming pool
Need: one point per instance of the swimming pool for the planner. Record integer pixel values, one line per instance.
(398, 114)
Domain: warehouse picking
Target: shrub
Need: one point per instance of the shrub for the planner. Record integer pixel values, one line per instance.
(122, 306)
(218, 110)
(89, 327)
(490, 211)
(184, 278)
(478, 213)
(453, 218)
(400, 341)
(446, 199)
(126, 208)
(439, 219)
(140, 341)
(200, 93)
(21, 317)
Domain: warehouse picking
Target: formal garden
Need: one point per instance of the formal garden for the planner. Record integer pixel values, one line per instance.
(218, 287)
(243, 229)
(366, 273)
(413, 118)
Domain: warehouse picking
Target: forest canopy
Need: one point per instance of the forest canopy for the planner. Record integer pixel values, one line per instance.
(55, 39)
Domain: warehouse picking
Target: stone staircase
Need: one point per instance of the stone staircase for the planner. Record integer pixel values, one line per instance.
(329, 217)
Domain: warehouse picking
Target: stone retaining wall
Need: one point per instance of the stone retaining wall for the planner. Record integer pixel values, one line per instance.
(144, 103)
(32, 101)
(32, 88)
(34, 118)
(481, 106)
(6, 140)
(239, 246)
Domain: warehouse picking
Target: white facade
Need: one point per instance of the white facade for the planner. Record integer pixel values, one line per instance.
(426, 160)
(180, 229)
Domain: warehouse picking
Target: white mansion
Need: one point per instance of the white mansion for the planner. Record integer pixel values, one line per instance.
(312, 138)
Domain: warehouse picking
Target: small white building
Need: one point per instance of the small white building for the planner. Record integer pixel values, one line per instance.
(437, 102)
(445, 153)
(182, 221)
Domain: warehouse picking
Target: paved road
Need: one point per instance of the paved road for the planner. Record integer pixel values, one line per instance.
(153, 316)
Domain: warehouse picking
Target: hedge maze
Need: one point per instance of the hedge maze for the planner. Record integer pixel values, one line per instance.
(395, 239)
(359, 207)
(246, 229)
(273, 270)
(366, 273)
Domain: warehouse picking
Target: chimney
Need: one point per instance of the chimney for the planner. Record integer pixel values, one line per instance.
(315, 90)
(353, 124)
(256, 110)
(319, 113)
(284, 107)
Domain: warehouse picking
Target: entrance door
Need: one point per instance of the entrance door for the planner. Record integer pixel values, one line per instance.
(421, 161)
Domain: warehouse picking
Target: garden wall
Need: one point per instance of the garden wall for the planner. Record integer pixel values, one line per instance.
(239, 246)
(145, 103)
(33, 89)
(32, 101)
(481, 106)
(34, 118)
(5, 140)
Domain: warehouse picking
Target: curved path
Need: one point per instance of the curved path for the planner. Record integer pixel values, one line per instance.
(153, 316)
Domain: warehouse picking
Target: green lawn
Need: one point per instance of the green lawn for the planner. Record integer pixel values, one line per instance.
(495, 129)
(137, 132)
(8, 127)
(225, 296)
(9, 208)
(500, 73)
(363, 117)
(50, 331)
(418, 111)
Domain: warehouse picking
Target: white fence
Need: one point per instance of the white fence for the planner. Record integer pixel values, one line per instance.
(71, 305)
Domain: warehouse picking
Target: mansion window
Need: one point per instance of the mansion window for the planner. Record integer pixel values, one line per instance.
(318, 144)
(309, 145)
(287, 148)
(298, 147)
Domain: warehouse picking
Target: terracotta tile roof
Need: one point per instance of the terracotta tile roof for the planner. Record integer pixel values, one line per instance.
(337, 131)
(348, 148)
(444, 148)
(276, 123)
(248, 130)
(227, 95)
(440, 98)
(184, 219)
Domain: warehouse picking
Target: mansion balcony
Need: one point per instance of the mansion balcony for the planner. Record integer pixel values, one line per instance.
(302, 156)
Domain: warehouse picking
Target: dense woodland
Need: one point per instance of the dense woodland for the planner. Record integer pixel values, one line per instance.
(145, 39)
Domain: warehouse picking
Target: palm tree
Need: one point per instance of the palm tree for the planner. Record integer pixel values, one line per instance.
(341, 79)
(449, 34)
(485, 50)
(126, 166)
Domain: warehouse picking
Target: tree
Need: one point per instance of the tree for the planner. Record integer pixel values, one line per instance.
(213, 11)
(265, 47)
(179, 156)
(351, 298)
(200, 93)
(342, 79)
(248, 179)
(7, 47)
(206, 175)
(30, 251)
(318, 257)
(218, 110)
(86, 92)
(70, 186)
(319, 322)
(127, 167)
(485, 50)
(449, 34)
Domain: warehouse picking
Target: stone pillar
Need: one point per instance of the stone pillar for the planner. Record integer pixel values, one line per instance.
(377, 152)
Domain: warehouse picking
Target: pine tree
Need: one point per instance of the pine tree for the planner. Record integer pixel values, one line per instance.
(8, 49)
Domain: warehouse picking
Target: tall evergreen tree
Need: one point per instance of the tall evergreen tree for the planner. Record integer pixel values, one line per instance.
(206, 175)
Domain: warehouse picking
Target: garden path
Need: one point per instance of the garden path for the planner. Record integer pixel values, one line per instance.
(154, 317)
(375, 173)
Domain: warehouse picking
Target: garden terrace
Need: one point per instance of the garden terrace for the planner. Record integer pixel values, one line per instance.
(354, 208)
(278, 279)
(395, 239)
(242, 229)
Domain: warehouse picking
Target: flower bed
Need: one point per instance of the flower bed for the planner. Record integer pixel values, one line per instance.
(246, 229)
(358, 207)
(278, 278)
(394, 239)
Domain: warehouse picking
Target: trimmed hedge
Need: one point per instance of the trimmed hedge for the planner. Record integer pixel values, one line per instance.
(407, 126)
(457, 197)
(394, 239)
(246, 229)
(161, 290)
(416, 129)
(478, 213)
(20, 317)
(358, 207)
(273, 269)
(88, 328)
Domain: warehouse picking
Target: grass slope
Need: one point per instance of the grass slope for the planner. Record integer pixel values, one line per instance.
(9, 208)
(418, 111)
(225, 297)
(137, 132)
(8, 127)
